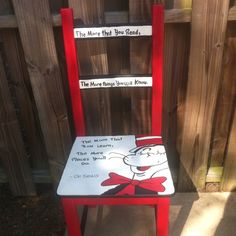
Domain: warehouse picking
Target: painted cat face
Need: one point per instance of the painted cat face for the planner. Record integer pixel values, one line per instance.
(141, 159)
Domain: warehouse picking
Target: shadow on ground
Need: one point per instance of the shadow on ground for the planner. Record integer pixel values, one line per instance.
(30, 216)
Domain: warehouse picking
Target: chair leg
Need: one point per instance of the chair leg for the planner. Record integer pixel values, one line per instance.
(162, 216)
(71, 217)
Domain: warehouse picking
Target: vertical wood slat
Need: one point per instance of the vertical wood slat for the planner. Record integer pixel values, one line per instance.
(229, 175)
(209, 21)
(224, 139)
(118, 63)
(176, 54)
(92, 55)
(176, 51)
(140, 48)
(62, 63)
(36, 33)
(13, 154)
(20, 84)
(140, 63)
(225, 104)
(117, 48)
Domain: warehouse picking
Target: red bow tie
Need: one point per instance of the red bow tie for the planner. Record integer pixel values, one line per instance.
(153, 184)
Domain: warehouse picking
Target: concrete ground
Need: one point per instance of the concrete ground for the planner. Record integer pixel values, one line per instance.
(200, 214)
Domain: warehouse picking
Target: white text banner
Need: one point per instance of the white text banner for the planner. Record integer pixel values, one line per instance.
(116, 82)
(113, 31)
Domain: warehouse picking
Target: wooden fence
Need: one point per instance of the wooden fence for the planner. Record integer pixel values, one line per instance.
(36, 129)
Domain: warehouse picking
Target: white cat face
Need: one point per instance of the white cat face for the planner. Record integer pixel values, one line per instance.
(142, 159)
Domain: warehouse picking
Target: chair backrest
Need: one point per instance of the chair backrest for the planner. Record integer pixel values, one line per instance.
(157, 32)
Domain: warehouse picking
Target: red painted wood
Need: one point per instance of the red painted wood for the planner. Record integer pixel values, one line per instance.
(117, 200)
(73, 70)
(157, 67)
(162, 216)
(71, 216)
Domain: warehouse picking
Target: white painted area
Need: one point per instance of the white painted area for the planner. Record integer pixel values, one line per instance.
(116, 82)
(113, 31)
(93, 158)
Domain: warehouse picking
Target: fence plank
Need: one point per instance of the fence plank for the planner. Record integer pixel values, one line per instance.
(92, 53)
(13, 154)
(140, 63)
(92, 56)
(175, 80)
(17, 70)
(176, 53)
(229, 175)
(171, 16)
(140, 48)
(117, 48)
(35, 27)
(118, 63)
(225, 104)
(209, 21)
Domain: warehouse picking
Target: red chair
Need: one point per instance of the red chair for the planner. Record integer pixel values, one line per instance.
(116, 170)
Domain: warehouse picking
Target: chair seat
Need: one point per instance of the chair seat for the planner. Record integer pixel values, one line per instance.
(115, 166)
